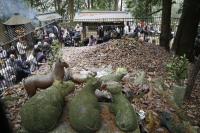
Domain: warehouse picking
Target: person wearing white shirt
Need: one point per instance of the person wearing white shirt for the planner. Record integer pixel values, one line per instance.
(133, 28)
(3, 53)
(126, 29)
(78, 28)
(21, 47)
(65, 33)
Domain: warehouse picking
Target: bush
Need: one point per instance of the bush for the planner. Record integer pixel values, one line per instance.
(177, 68)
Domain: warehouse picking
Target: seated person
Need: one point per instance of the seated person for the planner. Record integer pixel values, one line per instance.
(92, 41)
(3, 53)
(22, 70)
(40, 57)
(2, 81)
(11, 60)
(12, 50)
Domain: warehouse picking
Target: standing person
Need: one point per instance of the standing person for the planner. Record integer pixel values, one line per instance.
(65, 34)
(132, 28)
(117, 30)
(21, 47)
(142, 24)
(77, 35)
(39, 35)
(78, 28)
(146, 32)
(56, 30)
(101, 32)
(126, 29)
(137, 30)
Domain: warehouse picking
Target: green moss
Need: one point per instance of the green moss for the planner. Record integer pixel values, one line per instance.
(121, 70)
(41, 113)
(117, 76)
(84, 110)
(125, 116)
(112, 77)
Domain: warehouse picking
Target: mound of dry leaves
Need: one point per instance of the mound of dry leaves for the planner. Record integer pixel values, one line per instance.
(118, 53)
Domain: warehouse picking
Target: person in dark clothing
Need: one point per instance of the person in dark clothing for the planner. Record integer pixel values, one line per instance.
(22, 70)
(40, 57)
(2, 81)
(12, 50)
(4, 123)
(101, 31)
(137, 30)
(1, 77)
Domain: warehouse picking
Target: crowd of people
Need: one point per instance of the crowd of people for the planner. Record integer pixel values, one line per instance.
(72, 37)
(14, 65)
(142, 31)
(22, 59)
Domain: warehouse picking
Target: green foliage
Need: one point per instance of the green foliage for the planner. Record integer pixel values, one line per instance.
(56, 53)
(177, 68)
(141, 8)
(101, 5)
(60, 6)
(97, 4)
(117, 76)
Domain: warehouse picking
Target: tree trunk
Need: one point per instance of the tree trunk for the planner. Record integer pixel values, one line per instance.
(55, 4)
(147, 8)
(31, 2)
(58, 6)
(109, 5)
(187, 29)
(71, 10)
(116, 5)
(88, 4)
(166, 24)
(78, 5)
(92, 4)
(192, 77)
(121, 5)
